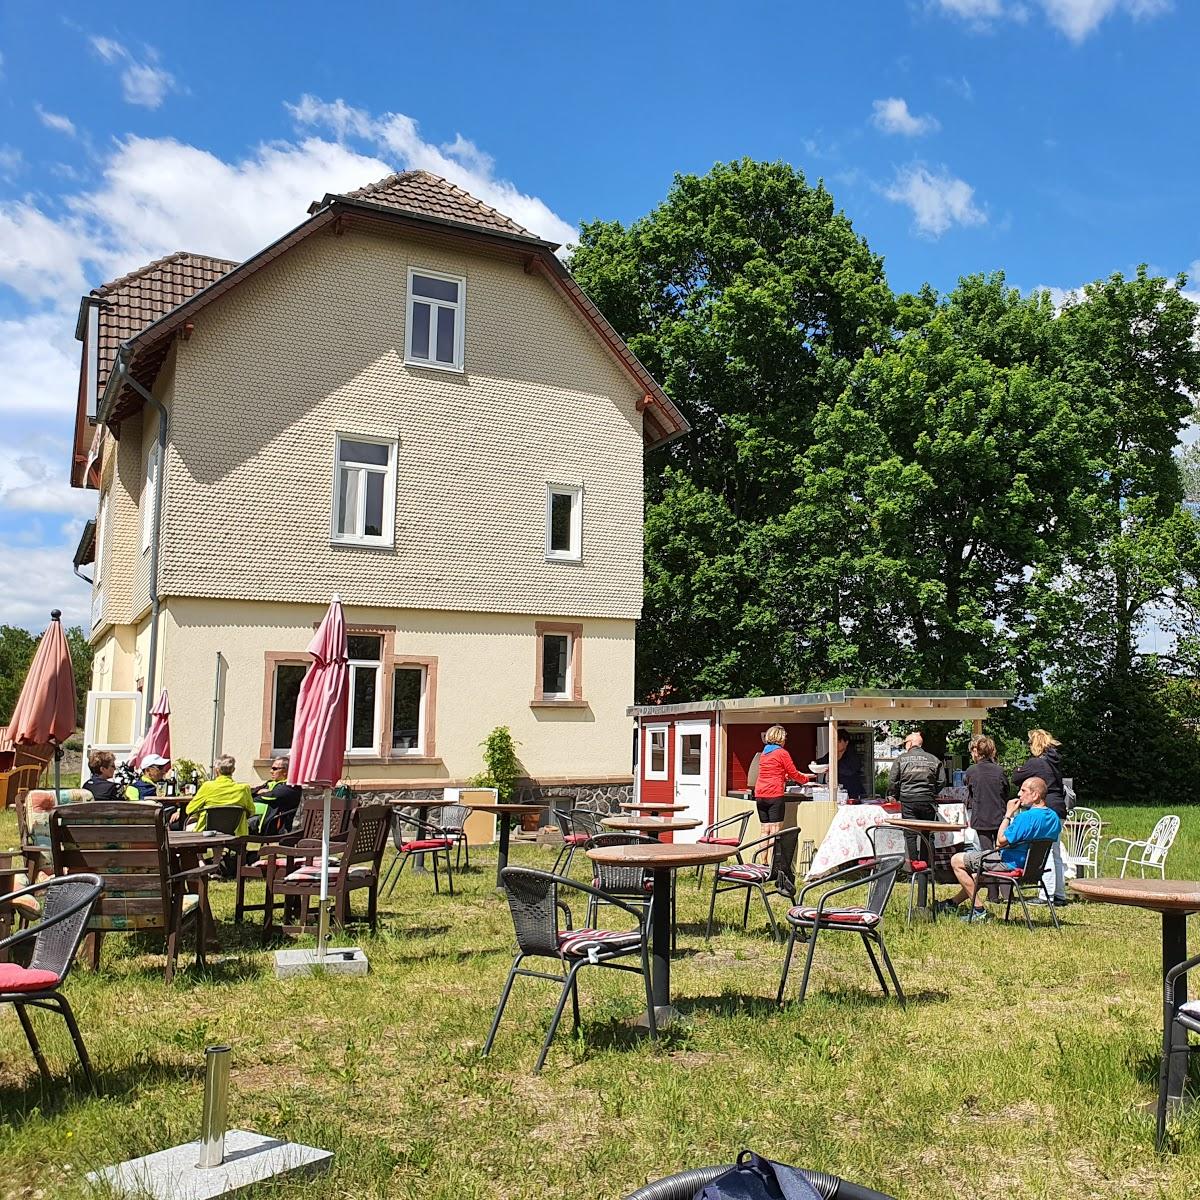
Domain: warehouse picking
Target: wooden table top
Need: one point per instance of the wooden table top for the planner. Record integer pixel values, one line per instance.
(652, 806)
(918, 826)
(661, 855)
(503, 808)
(1160, 895)
(652, 824)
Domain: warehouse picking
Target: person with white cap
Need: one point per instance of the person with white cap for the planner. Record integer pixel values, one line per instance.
(145, 787)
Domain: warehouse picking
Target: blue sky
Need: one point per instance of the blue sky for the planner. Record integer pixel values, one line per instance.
(1053, 139)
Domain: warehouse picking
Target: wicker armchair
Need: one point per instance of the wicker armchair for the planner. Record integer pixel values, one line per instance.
(535, 904)
(1182, 1019)
(633, 884)
(578, 826)
(729, 832)
(67, 904)
(751, 877)
(866, 919)
(452, 819)
(688, 1184)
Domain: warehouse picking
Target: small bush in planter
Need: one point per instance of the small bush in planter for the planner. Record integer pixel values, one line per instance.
(502, 768)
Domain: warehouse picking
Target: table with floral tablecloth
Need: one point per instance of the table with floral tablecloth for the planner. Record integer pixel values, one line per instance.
(847, 840)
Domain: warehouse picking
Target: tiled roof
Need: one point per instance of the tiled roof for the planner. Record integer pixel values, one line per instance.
(135, 300)
(426, 195)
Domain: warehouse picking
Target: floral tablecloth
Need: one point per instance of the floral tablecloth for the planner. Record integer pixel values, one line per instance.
(847, 840)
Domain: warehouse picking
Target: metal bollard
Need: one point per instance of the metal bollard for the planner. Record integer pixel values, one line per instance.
(216, 1106)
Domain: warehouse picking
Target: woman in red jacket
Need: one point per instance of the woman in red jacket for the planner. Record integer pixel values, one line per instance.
(775, 768)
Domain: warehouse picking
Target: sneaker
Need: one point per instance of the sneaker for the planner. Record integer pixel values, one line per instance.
(946, 908)
(1061, 901)
(975, 916)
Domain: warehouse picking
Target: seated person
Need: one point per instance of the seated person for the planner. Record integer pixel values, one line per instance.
(103, 767)
(1026, 819)
(281, 798)
(145, 787)
(221, 792)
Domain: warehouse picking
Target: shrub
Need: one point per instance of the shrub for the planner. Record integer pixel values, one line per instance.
(502, 767)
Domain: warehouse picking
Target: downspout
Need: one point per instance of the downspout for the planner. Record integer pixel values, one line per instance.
(81, 575)
(155, 528)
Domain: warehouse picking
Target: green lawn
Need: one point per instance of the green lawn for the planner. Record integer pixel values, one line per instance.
(1017, 1068)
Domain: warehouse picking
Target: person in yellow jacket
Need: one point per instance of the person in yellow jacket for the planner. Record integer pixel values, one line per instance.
(221, 792)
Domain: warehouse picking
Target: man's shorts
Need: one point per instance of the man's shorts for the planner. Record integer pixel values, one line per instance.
(984, 860)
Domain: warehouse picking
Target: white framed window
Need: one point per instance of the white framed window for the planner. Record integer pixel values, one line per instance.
(656, 752)
(149, 495)
(366, 693)
(285, 694)
(364, 490)
(436, 315)
(409, 685)
(556, 666)
(564, 522)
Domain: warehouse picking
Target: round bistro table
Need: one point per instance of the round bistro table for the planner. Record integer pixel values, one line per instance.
(1174, 900)
(661, 858)
(925, 831)
(652, 806)
(503, 813)
(659, 825)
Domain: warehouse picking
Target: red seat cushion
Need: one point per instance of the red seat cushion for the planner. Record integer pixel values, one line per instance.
(804, 915)
(719, 841)
(23, 979)
(919, 864)
(1011, 873)
(427, 844)
(577, 839)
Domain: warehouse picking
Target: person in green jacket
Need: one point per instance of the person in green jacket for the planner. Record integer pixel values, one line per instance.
(221, 792)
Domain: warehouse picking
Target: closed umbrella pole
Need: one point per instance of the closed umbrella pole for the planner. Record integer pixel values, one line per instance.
(319, 735)
(45, 709)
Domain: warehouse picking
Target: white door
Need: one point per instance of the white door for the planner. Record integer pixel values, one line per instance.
(112, 721)
(692, 774)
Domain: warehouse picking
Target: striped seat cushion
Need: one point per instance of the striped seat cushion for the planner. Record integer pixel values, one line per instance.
(25, 979)
(745, 872)
(427, 844)
(576, 943)
(311, 872)
(719, 841)
(1001, 873)
(803, 914)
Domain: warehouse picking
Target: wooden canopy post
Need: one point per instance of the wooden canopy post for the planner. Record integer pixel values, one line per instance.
(977, 727)
(832, 776)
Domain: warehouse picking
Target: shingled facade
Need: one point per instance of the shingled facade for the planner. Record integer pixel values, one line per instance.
(406, 401)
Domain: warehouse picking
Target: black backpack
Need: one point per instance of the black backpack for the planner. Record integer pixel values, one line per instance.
(755, 1178)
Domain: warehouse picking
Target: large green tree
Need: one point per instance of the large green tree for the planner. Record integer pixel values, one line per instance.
(750, 297)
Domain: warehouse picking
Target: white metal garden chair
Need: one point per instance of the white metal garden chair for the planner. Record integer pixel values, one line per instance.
(1153, 851)
(1081, 842)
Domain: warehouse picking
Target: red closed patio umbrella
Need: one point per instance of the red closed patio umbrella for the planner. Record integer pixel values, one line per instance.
(158, 736)
(319, 734)
(45, 710)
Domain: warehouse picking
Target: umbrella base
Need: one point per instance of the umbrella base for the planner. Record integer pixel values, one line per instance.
(339, 960)
(249, 1158)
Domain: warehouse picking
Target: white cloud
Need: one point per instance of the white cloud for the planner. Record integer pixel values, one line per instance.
(11, 161)
(41, 365)
(1074, 18)
(143, 82)
(39, 256)
(938, 199)
(55, 121)
(34, 580)
(892, 116)
(460, 161)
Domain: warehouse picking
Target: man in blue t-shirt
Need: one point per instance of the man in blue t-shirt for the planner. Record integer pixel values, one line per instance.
(1027, 819)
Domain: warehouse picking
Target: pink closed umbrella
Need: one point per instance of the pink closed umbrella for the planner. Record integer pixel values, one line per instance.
(45, 711)
(319, 734)
(158, 736)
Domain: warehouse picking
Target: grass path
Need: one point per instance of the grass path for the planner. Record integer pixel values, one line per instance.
(1017, 1066)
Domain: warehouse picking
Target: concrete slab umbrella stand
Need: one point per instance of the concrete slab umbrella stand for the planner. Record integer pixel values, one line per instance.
(221, 1162)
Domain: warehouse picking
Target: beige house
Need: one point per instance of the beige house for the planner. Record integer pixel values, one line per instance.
(406, 401)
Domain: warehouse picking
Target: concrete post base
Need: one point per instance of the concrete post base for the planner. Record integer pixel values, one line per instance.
(339, 960)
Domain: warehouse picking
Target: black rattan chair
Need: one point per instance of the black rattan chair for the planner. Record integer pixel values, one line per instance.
(452, 820)
(687, 1184)
(729, 832)
(1024, 879)
(66, 907)
(750, 877)
(1185, 1020)
(533, 899)
(414, 835)
(634, 884)
(864, 919)
(578, 826)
